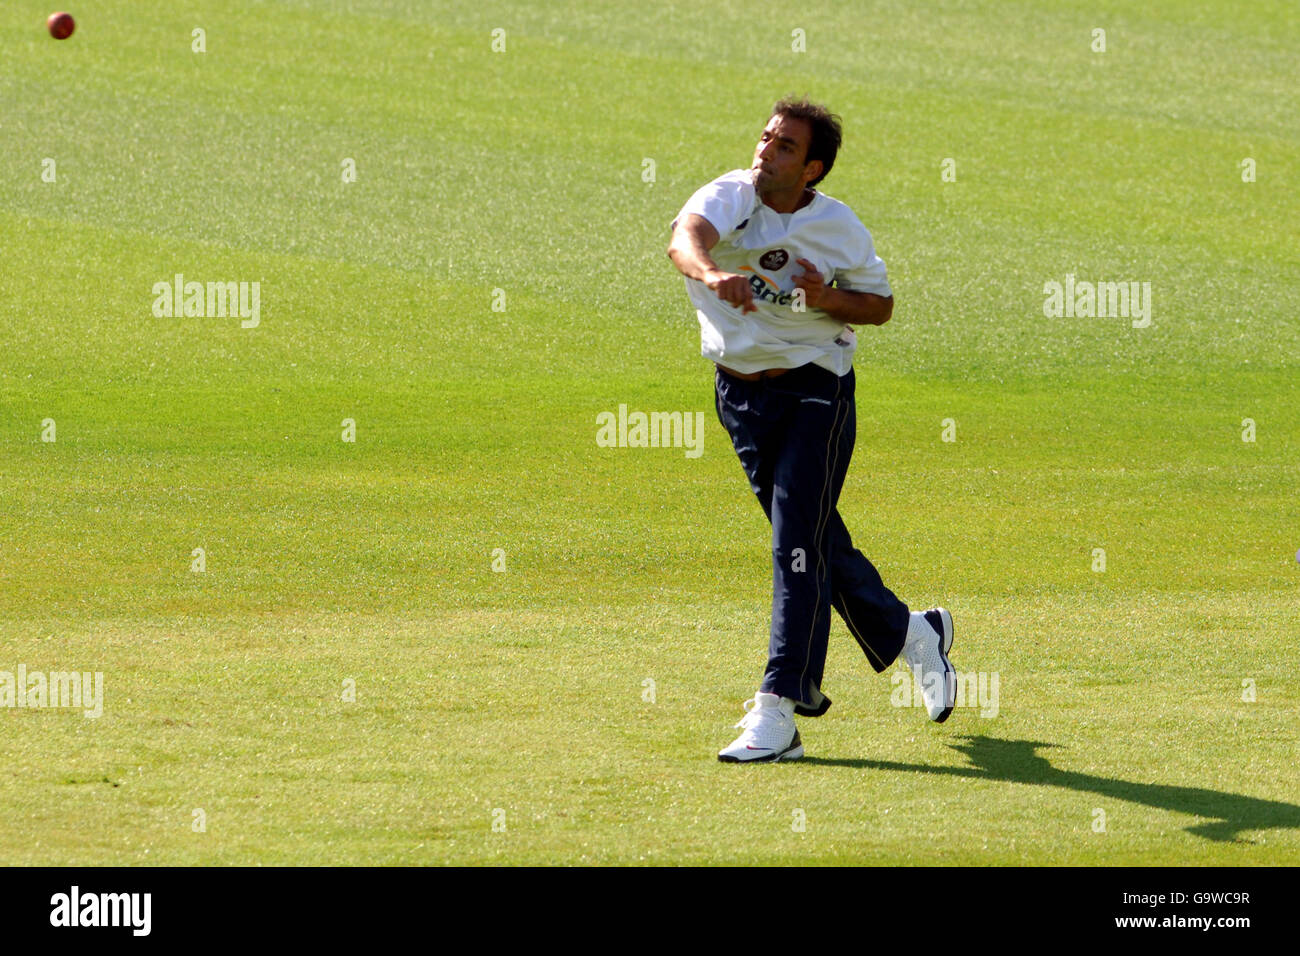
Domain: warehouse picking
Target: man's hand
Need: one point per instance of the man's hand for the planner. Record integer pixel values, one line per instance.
(851, 308)
(813, 284)
(731, 288)
(693, 237)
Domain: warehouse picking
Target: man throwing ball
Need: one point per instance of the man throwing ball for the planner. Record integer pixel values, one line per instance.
(778, 274)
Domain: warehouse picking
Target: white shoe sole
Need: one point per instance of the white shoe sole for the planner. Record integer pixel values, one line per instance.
(794, 753)
(945, 644)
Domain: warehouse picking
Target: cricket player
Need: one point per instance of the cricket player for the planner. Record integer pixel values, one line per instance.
(779, 273)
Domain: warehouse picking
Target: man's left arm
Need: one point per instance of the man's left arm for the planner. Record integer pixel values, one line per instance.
(843, 305)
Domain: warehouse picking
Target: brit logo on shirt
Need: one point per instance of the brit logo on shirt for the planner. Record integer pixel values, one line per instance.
(768, 290)
(774, 260)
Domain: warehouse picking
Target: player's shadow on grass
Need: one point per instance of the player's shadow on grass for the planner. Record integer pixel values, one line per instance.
(1018, 761)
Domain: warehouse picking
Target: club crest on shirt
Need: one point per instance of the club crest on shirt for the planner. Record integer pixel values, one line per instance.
(774, 259)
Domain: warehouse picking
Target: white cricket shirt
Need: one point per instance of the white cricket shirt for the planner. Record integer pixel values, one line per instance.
(756, 241)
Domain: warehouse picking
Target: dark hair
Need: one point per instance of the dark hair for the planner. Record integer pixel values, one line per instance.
(826, 135)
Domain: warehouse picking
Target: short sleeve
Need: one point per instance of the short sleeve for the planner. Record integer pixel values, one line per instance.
(867, 272)
(726, 202)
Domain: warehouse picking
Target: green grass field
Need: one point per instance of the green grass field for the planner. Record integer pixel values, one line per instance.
(519, 697)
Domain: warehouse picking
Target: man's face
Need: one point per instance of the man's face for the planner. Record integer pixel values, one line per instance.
(779, 157)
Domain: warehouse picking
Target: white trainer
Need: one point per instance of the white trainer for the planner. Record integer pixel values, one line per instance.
(929, 639)
(769, 732)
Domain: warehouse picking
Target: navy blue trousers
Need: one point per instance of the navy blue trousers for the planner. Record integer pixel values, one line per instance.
(794, 434)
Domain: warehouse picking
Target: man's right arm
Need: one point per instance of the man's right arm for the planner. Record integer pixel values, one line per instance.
(693, 237)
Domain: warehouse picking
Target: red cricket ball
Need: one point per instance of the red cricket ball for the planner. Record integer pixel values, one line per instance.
(61, 25)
